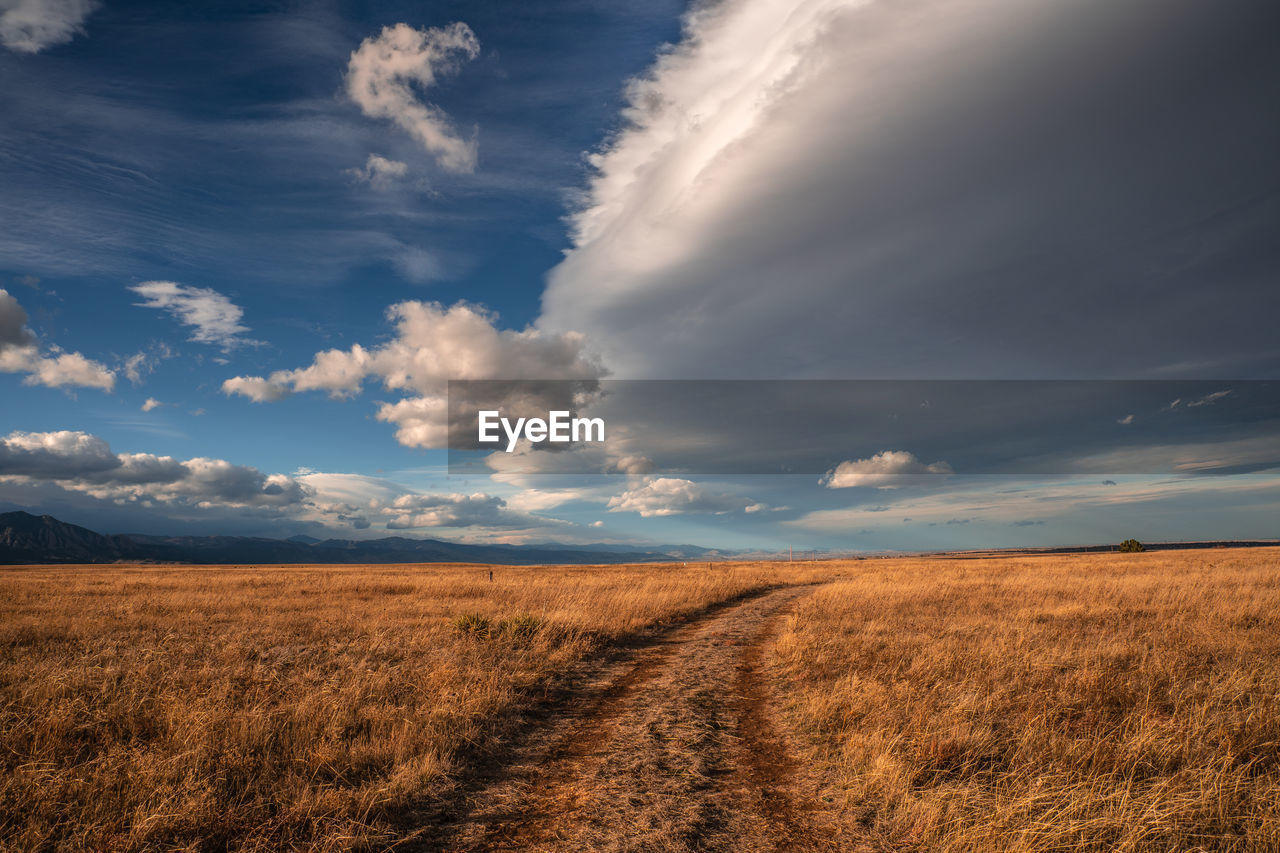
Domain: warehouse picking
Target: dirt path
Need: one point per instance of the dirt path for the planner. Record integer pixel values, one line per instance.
(672, 747)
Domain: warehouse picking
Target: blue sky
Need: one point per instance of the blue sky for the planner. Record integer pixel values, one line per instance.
(198, 201)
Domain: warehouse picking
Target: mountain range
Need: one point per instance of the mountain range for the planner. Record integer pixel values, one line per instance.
(27, 538)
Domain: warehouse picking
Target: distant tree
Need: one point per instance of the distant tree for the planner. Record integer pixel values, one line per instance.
(1131, 546)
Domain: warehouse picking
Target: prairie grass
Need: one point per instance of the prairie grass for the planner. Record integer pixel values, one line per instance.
(1057, 703)
(283, 708)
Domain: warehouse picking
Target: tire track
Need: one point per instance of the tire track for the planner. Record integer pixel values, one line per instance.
(672, 747)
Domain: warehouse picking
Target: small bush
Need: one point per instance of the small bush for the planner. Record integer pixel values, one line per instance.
(521, 627)
(471, 623)
(1131, 546)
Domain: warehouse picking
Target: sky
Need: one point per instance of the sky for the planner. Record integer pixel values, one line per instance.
(245, 248)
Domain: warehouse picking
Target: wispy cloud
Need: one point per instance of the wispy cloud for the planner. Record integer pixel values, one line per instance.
(1002, 501)
(137, 366)
(384, 70)
(1209, 399)
(29, 26)
(213, 317)
(379, 172)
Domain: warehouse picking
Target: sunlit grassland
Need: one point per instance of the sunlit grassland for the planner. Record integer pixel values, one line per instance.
(1055, 703)
(265, 708)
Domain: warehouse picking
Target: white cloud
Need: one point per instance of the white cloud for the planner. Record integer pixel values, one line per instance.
(59, 370)
(1014, 501)
(663, 496)
(384, 70)
(1125, 421)
(256, 388)
(71, 467)
(418, 265)
(700, 137)
(455, 510)
(528, 467)
(379, 172)
(139, 365)
(13, 324)
(55, 455)
(1209, 399)
(1257, 452)
(29, 26)
(151, 403)
(81, 462)
(213, 317)
(433, 344)
(888, 469)
(539, 500)
(20, 353)
(362, 501)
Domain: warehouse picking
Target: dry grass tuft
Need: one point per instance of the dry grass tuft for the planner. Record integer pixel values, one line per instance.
(1071, 703)
(289, 708)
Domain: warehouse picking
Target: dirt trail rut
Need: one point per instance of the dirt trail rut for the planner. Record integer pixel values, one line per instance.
(672, 747)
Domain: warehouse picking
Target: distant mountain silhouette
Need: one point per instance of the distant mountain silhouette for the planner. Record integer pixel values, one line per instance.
(27, 538)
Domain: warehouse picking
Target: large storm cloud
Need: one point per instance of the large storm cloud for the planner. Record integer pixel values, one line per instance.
(990, 189)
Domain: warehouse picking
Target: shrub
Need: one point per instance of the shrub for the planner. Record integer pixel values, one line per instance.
(470, 623)
(1131, 546)
(521, 627)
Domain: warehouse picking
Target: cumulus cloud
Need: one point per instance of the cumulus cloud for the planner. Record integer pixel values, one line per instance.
(365, 502)
(384, 71)
(29, 26)
(213, 318)
(256, 388)
(20, 353)
(13, 324)
(663, 496)
(151, 403)
(454, 510)
(379, 172)
(55, 455)
(888, 469)
(71, 467)
(432, 345)
(871, 188)
(79, 461)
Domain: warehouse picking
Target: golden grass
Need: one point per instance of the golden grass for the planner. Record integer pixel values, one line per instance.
(1051, 703)
(1069, 703)
(146, 708)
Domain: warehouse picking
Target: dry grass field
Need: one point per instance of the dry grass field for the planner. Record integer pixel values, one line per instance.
(1060, 703)
(1065, 703)
(199, 708)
